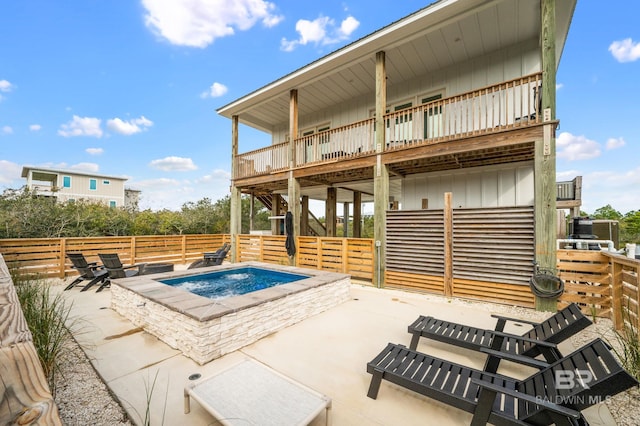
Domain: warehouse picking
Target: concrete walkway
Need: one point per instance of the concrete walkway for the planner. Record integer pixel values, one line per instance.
(327, 353)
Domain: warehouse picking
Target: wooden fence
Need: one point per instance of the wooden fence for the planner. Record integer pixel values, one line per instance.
(47, 256)
(347, 255)
(484, 253)
(604, 284)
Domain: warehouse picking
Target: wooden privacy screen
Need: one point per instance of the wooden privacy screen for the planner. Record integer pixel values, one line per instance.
(484, 253)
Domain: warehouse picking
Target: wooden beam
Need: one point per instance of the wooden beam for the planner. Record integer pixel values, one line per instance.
(331, 211)
(545, 155)
(24, 392)
(304, 218)
(293, 185)
(381, 173)
(235, 221)
(357, 214)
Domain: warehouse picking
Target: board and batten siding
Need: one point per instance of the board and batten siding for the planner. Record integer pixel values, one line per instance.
(495, 67)
(492, 186)
(80, 188)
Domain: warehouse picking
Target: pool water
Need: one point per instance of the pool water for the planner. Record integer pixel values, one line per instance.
(218, 285)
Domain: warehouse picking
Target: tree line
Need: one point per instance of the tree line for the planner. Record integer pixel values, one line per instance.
(629, 230)
(26, 215)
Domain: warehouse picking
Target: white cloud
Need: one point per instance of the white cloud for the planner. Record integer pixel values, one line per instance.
(625, 50)
(617, 188)
(86, 167)
(81, 126)
(614, 143)
(574, 148)
(216, 90)
(7, 130)
(171, 194)
(173, 164)
(9, 172)
(197, 23)
(94, 151)
(129, 127)
(559, 86)
(5, 86)
(321, 31)
(217, 175)
(35, 127)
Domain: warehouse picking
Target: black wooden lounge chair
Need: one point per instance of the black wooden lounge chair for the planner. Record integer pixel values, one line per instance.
(541, 339)
(89, 271)
(555, 394)
(212, 258)
(116, 269)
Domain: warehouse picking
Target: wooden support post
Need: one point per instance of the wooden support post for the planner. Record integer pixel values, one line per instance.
(63, 251)
(276, 209)
(616, 294)
(252, 211)
(293, 184)
(331, 211)
(381, 174)
(545, 156)
(345, 220)
(448, 245)
(357, 214)
(304, 217)
(235, 221)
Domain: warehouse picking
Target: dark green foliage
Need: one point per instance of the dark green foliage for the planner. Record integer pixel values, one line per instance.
(24, 215)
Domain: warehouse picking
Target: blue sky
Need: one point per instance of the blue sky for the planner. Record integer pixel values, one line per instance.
(130, 88)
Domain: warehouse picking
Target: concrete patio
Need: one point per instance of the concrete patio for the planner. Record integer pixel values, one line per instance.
(327, 353)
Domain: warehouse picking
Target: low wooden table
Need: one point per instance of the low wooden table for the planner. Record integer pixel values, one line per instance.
(252, 393)
(155, 268)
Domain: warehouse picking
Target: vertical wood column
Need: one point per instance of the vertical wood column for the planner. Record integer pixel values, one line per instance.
(276, 209)
(293, 183)
(235, 221)
(331, 211)
(304, 217)
(545, 155)
(357, 214)
(381, 172)
(448, 244)
(345, 220)
(252, 211)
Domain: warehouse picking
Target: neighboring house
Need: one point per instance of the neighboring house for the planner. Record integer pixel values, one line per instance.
(450, 109)
(70, 185)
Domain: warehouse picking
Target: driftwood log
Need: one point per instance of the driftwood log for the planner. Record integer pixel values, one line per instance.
(25, 398)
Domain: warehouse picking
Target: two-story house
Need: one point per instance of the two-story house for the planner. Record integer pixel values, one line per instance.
(445, 120)
(69, 185)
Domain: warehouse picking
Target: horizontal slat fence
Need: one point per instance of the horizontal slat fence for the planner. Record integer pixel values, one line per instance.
(492, 252)
(602, 283)
(493, 245)
(47, 256)
(353, 256)
(587, 278)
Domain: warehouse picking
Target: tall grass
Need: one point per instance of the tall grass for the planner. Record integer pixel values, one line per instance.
(46, 316)
(628, 348)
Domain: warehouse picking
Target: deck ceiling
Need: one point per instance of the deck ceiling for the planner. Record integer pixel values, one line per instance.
(442, 34)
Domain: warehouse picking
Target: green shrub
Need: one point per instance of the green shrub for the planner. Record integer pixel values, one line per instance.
(46, 316)
(628, 348)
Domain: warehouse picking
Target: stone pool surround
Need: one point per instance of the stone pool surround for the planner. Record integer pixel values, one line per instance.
(205, 329)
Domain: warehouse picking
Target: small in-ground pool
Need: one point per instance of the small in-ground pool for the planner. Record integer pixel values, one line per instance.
(218, 285)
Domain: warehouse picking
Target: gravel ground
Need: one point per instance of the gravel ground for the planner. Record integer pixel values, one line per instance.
(83, 398)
